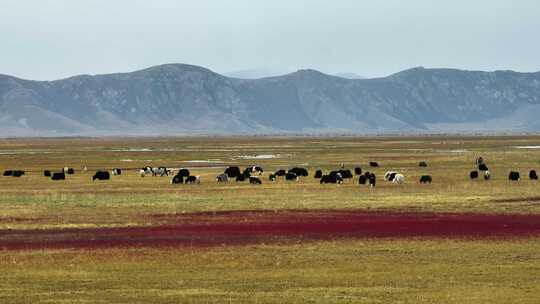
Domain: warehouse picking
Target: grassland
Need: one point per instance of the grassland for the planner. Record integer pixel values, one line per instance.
(344, 271)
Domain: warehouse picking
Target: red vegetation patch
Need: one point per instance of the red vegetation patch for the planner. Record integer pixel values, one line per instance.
(255, 227)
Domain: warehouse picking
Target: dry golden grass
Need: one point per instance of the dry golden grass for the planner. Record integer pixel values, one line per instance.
(368, 271)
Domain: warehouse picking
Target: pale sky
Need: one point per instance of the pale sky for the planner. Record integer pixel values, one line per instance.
(52, 39)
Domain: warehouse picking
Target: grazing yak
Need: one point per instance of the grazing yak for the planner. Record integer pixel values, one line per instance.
(422, 164)
(346, 173)
(47, 173)
(374, 164)
(487, 175)
(389, 176)
(14, 173)
(514, 176)
(357, 171)
(18, 173)
(272, 177)
(116, 171)
(101, 175)
(337, 175)
(426, 179)
(232, 171)
(332, 179)
(473, 174)
(291, 177)
(58, 176)
(68, 171)
(222, 178)
(532, 175)
(181, 176)
(161, 171)
(145, 171)
(299, 171)
(399, 179)
(254, 180)
(280, 172)
(318, 174)
(483, 167)
(193, 179)
(254, 170)
(177, 179)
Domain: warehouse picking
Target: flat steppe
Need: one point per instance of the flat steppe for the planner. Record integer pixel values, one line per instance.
(140, 239)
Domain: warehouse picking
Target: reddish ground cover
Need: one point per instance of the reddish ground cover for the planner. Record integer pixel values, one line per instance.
(255, 227)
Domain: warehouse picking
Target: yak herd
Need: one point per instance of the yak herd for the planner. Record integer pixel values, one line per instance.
(253, 174)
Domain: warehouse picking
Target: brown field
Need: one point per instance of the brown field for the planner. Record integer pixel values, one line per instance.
(143, 240)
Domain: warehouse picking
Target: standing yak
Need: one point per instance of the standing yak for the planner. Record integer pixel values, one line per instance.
(232, 171)
(346, 173)
(299, 171)
(362, 179)
(58, 176)
(101, 175)
(183, 172)
(372, 180)
(514, 176)
(426, 179)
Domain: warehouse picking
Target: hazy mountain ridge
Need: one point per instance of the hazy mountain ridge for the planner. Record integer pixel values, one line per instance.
(181, 99)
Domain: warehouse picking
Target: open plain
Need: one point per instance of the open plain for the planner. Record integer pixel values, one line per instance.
(136, 239)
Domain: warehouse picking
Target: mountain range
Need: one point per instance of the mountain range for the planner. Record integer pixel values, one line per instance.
(180, 99)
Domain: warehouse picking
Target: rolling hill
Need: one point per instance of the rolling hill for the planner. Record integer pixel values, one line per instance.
(179, 99)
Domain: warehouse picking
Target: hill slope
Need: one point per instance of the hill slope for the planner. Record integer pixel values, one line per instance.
(184, 99)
